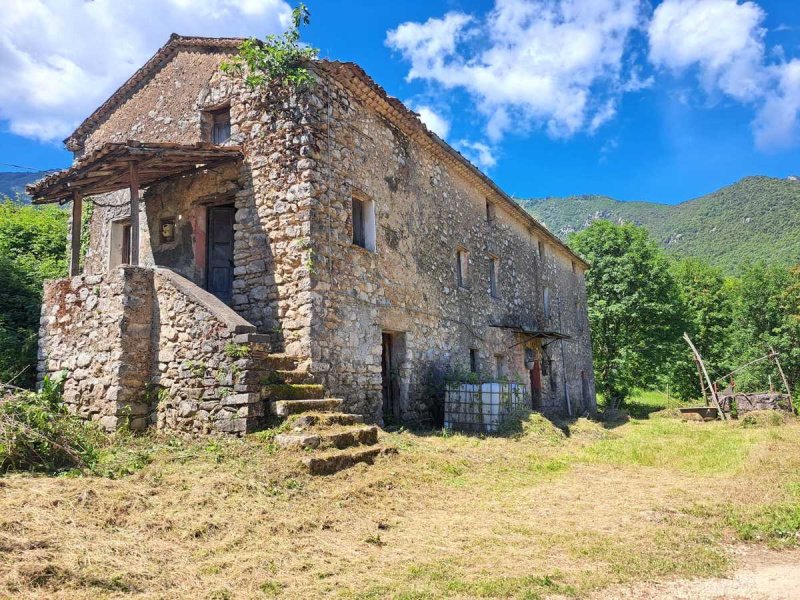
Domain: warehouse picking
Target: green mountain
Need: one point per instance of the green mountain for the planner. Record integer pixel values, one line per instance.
(13, 183)
(757, 218)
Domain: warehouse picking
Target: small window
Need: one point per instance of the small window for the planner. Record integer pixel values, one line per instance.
(120, 244)
(363, 215)
(220, 125)
(490, 212)
(473, 360)
(546, 303)
(167, 231)
(574, 268)
(494, 264)
(541, 250)
(500, 366)
(462, 267)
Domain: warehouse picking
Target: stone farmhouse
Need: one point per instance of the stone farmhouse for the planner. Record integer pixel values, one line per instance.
(249, 246)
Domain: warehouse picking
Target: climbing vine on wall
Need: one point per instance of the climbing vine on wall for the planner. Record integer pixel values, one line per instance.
(282, 58)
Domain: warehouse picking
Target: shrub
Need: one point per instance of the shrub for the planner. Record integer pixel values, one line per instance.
(38, 434)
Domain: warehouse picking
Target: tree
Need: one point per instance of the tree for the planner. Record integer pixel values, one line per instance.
(32, 249)
(279, 58)
(708, 303)
(634, 307)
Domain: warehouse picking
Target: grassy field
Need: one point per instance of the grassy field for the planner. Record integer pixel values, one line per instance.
(545, 511)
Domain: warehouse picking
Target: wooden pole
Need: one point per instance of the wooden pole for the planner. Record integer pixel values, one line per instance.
(785, 382)
(134, 188)
(75, 241)
(711, 388)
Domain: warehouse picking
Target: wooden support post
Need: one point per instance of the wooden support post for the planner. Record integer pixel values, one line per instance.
(711, 388)
(134, 189)
(75, 241)
(785, 382)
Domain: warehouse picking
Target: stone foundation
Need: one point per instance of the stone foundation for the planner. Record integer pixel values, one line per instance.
(147, 347)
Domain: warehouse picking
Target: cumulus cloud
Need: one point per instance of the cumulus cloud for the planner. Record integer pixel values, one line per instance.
(477, 153)
(433, 119)
(722, 38)
(60, 59)
(724, 42)
(777, 124)
(554, 64)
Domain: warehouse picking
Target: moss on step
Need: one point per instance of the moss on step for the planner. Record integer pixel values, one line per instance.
(292, 391)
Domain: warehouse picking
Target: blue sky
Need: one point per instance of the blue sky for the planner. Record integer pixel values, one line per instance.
(663, 101)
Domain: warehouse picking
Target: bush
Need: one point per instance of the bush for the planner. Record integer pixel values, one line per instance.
(38, 434)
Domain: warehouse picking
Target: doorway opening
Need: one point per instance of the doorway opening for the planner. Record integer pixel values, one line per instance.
(536, 381)
(219, 264)
(392, 354)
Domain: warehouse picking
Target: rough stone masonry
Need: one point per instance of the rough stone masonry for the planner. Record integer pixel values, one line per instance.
(361, 244)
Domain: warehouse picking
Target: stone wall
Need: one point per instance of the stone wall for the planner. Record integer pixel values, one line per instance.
(148, 347)
(426, 211)
(97, 328)
(208, 374)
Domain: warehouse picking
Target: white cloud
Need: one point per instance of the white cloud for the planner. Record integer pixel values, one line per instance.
(724, 41)
(554, 64)
(433, 119)
(777, 124)
(722, 38)
(478, 153)
(60, 59)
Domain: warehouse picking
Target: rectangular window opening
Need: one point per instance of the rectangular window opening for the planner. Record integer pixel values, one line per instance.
(220, 122)
(541, 250)
(120, 244)
(462, 267)
(546, 303)
(473, 360)
(494, 264)
(490, 212)
(363, 216)
(574, 268)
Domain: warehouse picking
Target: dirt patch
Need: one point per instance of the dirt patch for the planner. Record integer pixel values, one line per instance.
(760, 575)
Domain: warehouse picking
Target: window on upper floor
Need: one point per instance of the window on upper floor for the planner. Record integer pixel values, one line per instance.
(574, 268)
(500, 366)
(219, 125)
(363, 217)
(541, 250)
(546, 303)
(120, 251)
(490, 212)
(494, 266)
(462, 267)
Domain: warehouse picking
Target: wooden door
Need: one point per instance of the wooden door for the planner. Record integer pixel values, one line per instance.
(536, 383)
(387, 379)
(219, 276)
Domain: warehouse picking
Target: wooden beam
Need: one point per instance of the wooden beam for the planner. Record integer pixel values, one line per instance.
(711, 388)
(134, 188)
(75, 241)
(785, 382)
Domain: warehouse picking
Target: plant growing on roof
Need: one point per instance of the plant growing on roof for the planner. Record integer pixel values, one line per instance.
(279, 58)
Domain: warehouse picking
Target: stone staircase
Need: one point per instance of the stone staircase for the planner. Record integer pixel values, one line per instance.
(329, 439)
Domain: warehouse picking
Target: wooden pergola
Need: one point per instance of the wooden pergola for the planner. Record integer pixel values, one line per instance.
(131, 165)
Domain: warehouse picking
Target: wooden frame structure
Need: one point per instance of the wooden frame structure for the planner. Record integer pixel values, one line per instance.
(131, 165)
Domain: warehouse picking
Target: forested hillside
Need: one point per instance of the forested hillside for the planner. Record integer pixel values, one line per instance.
(757, 218)
(12, 184)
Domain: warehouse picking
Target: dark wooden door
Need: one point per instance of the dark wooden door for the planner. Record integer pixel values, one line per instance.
(536, 384)
(387, 379)
(219, 278)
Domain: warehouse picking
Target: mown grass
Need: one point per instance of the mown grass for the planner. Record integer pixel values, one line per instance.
(550, 509)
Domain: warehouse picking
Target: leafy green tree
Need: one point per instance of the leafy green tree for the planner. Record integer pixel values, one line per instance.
(635, 308)
(708, 302)
(279, 58)
(32, 249)
(766, 315)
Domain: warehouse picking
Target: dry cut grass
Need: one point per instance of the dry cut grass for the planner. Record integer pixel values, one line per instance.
(548, 511)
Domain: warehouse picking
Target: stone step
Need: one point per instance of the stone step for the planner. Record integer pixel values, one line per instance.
(341, 439)
(292, 391)
(284, 408)
(281, 361)
(337, 460)
(294, 377)
(308, 420)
